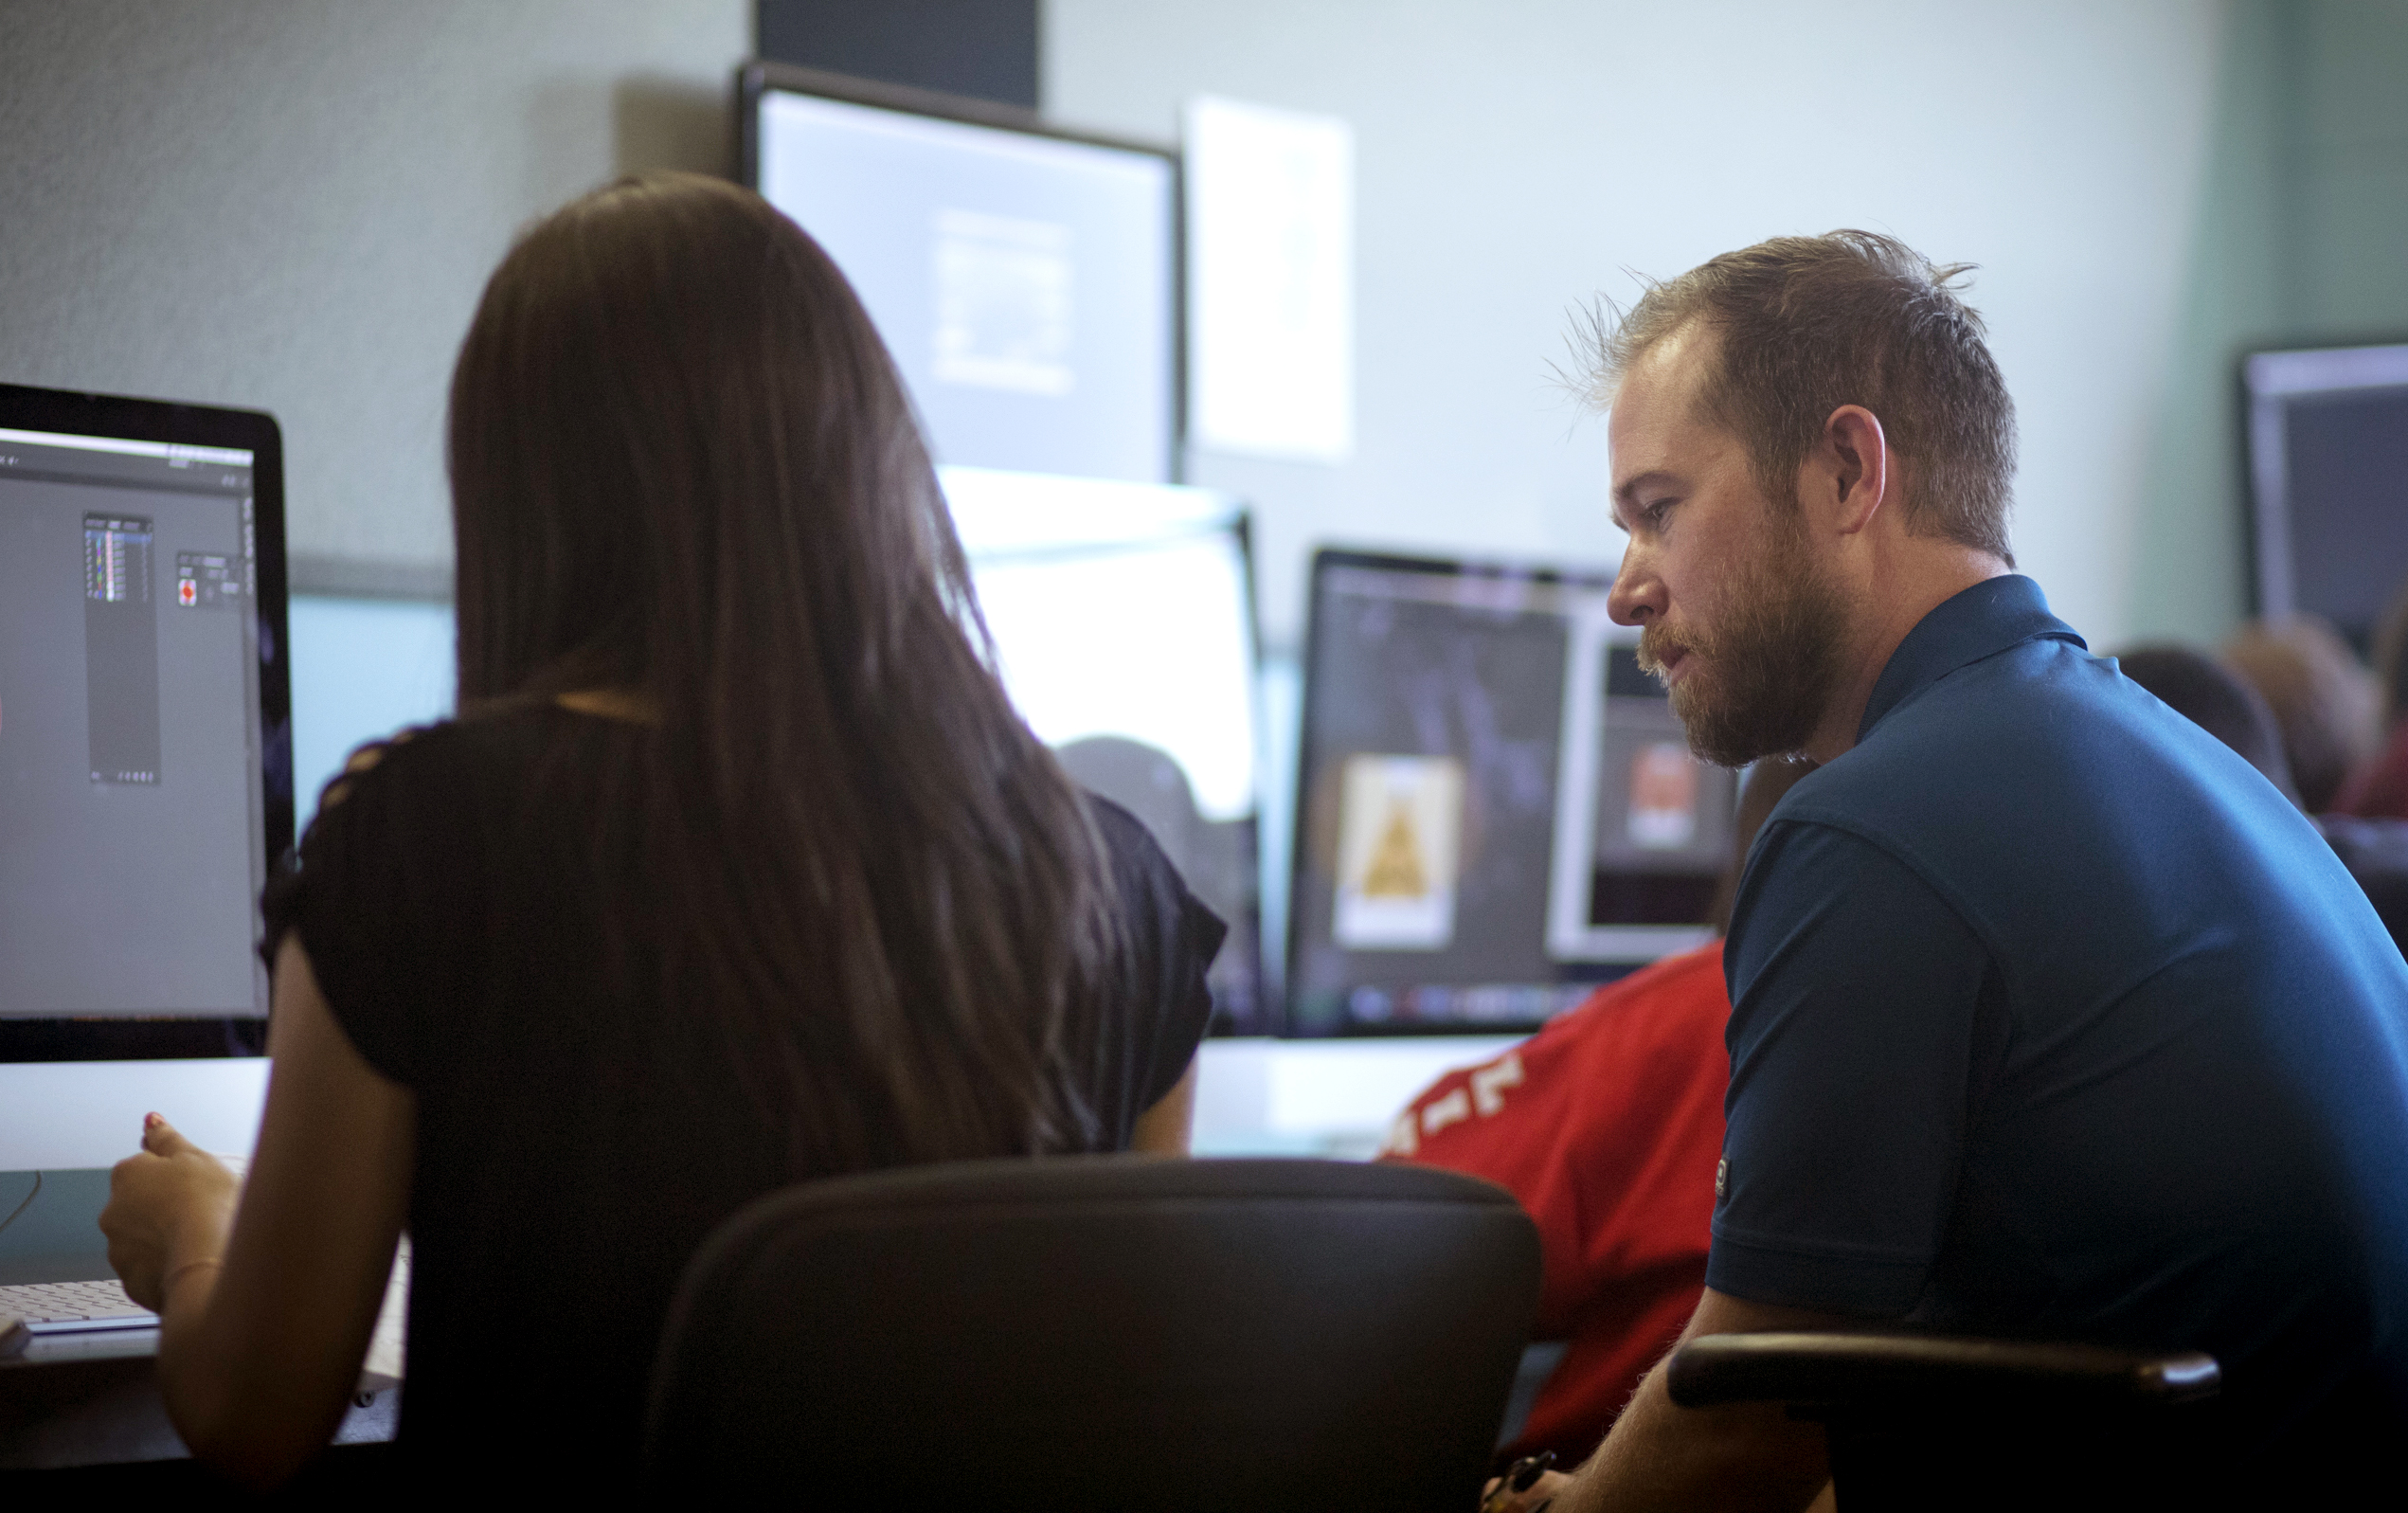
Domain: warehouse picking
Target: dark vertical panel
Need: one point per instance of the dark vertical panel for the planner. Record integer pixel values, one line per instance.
(120, 650)
(985, 48)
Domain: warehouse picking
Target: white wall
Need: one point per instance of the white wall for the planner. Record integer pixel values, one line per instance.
(1517, 156)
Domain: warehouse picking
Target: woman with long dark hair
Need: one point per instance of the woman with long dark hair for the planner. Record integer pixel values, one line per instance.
(736, 869)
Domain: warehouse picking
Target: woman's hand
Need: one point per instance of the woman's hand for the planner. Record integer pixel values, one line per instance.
(169, 1207)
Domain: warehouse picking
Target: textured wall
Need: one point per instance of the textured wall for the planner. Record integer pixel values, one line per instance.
(293, 205)
(2347, 155)
(1514, 158)
(2298, 242)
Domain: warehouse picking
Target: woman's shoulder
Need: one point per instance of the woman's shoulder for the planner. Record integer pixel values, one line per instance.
(380, 766)
(1141, 868)
(1126, 838)
(1173, 924)
(427, 786)
(437, 756)
(1163, 1002)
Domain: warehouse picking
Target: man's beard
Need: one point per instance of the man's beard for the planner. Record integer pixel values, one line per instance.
(1758, 683)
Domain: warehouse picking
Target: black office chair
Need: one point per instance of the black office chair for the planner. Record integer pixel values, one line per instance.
(1102, 1332)
(1923, 1421)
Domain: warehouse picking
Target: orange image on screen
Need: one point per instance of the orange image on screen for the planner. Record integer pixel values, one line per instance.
(1663, 796)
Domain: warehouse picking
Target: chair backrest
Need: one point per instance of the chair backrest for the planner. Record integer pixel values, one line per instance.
(1104, 1332)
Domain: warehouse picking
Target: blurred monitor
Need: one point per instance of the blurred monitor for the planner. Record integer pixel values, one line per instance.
(1496, 807)
(1123, 624)
(2329, 470)
(1025, 278)
(145, 748)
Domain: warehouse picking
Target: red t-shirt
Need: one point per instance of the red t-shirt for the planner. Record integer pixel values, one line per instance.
(1607, 1124)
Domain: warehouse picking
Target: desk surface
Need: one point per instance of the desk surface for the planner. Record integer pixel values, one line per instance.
(95, 1401)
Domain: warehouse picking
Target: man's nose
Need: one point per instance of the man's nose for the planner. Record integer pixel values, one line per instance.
(1638, 594)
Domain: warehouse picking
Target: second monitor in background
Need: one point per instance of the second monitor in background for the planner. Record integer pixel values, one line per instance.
(1123, 624)
(1496, 808)
(2328, 449)
(1025, 277)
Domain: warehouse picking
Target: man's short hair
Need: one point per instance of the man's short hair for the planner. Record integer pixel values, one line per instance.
(1807, 324)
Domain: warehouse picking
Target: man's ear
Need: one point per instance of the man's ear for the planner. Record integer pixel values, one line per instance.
(1848, 475)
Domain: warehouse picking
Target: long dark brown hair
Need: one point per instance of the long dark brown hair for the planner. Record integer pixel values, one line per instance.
(683, 468)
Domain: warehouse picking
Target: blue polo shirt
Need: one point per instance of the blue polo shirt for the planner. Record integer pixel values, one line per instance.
(2053, 1018)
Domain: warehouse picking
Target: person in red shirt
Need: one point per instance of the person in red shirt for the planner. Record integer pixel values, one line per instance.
(1607, 1124)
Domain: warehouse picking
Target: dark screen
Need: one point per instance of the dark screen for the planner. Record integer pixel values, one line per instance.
(2348, 457)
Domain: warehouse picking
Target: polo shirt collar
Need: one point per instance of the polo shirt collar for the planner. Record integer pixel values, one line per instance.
(1980, 621)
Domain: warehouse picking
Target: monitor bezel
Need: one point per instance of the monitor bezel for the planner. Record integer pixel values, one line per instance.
(758, 79)
(71, 412)
(2271, 380)
(1325, 559)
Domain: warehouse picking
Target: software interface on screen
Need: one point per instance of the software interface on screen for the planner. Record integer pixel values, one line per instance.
(2329, 443)
(1025, 283)
(1122, 619)
(131, 833)
(1497, 808)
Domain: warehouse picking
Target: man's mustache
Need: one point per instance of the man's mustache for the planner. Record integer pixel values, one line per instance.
(1657, 646)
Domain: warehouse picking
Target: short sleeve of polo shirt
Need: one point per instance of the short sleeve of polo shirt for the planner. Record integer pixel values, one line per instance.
(1855, 995)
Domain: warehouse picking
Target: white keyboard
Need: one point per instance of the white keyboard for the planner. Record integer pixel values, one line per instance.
(50, 1311)
(36, 1309)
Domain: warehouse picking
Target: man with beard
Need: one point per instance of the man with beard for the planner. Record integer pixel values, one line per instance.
(2051, 1017)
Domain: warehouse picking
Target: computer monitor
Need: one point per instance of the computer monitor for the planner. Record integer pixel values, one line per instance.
(1496, 808)
(1025, 278)
(145, 748)
(2327, 452)
(1124, 623)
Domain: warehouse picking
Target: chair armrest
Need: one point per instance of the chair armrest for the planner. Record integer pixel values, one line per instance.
(1930, 1372)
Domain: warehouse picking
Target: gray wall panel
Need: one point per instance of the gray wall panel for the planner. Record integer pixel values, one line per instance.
(292, 206)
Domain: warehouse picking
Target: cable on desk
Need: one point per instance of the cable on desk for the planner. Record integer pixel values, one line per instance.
(27, 1204)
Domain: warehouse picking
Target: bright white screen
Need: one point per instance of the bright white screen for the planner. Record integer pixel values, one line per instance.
(1024, 283)
(1120, 609)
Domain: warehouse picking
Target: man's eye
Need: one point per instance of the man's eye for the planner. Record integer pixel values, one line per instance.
(1653, 514)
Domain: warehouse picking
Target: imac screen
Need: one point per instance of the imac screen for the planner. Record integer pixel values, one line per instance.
(136, 811)
(1497, 808)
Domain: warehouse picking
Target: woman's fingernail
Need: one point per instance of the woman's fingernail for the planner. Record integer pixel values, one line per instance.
(152, 1121)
